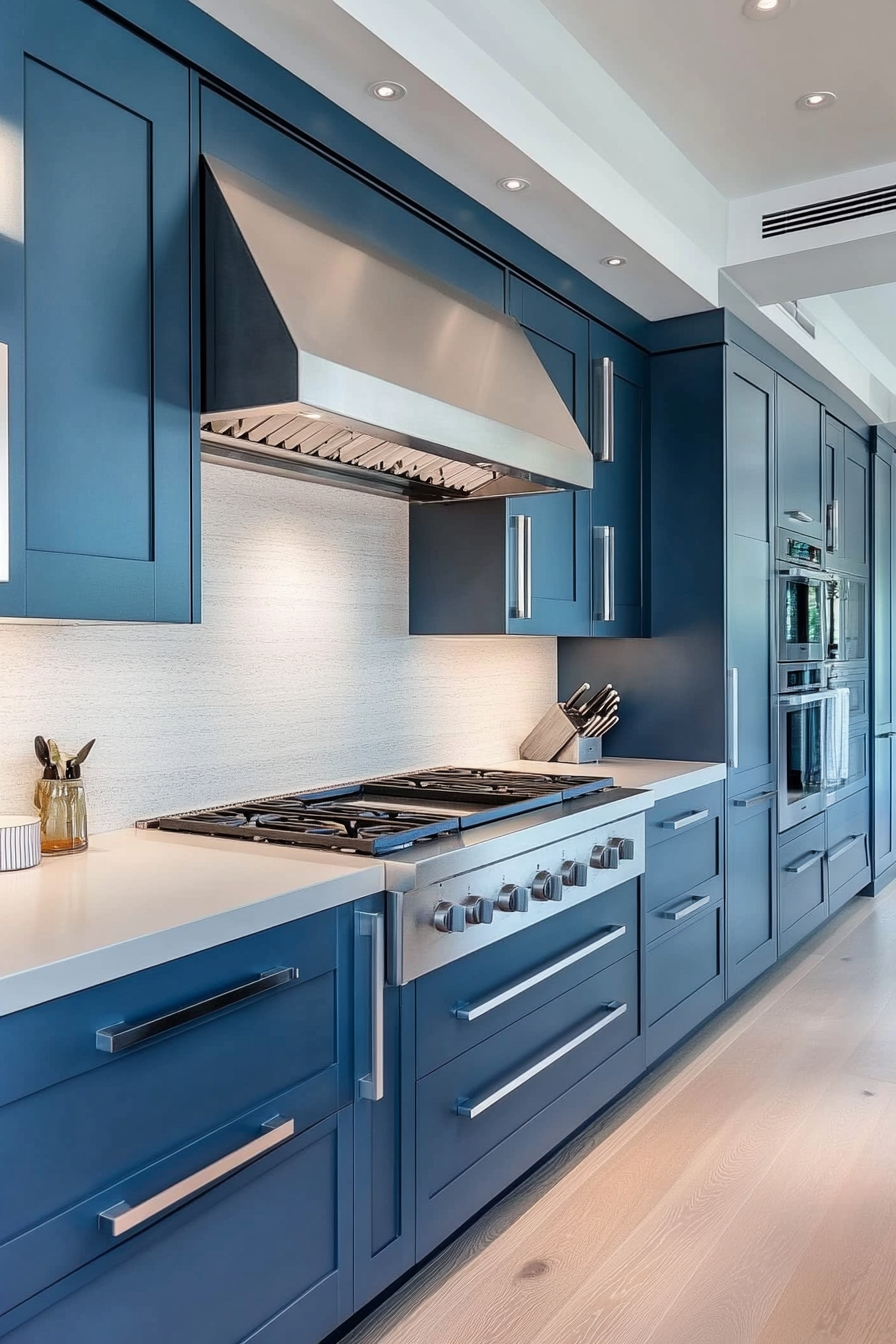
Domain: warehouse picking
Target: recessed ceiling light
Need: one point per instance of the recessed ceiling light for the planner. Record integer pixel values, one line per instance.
(811, 102)
(513, 183)
(765, 9)
(387, 90)
(613, 261)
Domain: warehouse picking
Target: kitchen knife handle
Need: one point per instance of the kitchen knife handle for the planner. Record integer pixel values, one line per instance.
(607, 411)
(733, 720)
(606, 537)
(372, 1086)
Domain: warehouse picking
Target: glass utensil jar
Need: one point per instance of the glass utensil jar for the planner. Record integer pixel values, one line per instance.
(62, 804)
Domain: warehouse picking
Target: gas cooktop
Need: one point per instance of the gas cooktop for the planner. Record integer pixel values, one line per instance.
(379, 816)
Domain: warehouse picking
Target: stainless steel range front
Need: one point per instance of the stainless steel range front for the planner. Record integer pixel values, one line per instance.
(471, 855)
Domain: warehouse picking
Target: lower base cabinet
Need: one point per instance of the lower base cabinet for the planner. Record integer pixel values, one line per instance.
(802, 895)
(751, 895)
(684, 979)
(848, 849)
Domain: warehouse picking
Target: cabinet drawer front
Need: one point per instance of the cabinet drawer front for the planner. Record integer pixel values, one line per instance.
(272, 1243)
(849, 851)
(683, 963)
(673, 816)
(846, 862)
(473, 999)
(689, 862)
(470, 1105)
(802, 905)
(58, 1040)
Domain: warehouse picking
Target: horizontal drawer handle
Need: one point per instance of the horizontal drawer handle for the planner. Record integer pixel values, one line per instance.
(691, 905)
(470, 1109)
(467, 1012)
(122, 1035)
(805, 863)
(881, 735)
(690, 819)
(844, 847)
(755, 800)
(121, 1218)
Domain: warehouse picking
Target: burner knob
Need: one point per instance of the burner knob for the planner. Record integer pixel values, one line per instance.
(624, 848)
(513, 898)
(547, 887)
(574, 874)
(603, 856)
(449, 918)
(480, 911)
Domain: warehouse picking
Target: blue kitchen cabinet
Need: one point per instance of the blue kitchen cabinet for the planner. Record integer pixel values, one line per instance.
(97, 313)
(800, 463)
(751, 888)
(847, 472)
(883, 680)
(384, 1137)
(620, 497)
(802, 886)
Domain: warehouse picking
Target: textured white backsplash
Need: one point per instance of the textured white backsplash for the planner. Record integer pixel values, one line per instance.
(301, 673)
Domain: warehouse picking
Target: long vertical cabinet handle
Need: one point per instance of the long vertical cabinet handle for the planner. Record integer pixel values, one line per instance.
(4, 463)
(528, 554)
(606, 539)
(372, 1086)
(833, 521)
(522, 532)
(733, 721)
(607, 411)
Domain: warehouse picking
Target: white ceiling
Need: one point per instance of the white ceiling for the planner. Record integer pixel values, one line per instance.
(724, 88)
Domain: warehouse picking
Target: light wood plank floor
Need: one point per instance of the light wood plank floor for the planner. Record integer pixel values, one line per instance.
(745, 1193)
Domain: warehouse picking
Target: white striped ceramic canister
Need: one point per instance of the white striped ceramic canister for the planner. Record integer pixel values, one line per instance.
(19, 843)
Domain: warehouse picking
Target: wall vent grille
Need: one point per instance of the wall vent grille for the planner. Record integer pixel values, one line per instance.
(836, 211)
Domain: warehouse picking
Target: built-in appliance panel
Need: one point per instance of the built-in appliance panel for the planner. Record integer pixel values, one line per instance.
(846, 619)
(468, 1001)
(802, 899)
(848, 848)
(675, 815)
(271, 1244)
(689, 862)
(802, 598)
(425, 947)
(485, 1117)
(684, 979)
(57, 1040)
(854, 678)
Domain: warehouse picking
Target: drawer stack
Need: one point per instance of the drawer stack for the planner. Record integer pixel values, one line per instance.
(684, 888)
(517, 1045)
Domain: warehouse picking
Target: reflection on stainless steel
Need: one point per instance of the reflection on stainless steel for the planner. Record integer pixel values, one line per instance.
(324, 351)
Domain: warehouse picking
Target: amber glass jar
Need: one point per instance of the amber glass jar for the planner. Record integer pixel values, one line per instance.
(62, 804)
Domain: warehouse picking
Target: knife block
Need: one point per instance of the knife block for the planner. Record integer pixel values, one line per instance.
(549, 736)
(581, 751)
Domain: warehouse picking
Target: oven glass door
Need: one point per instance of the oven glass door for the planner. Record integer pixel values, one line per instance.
(801, 619)
(801, 771)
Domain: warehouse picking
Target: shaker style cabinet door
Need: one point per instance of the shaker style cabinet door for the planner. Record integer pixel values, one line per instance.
(884, 659)
(847, 474)
(800, 488)
(104, 473)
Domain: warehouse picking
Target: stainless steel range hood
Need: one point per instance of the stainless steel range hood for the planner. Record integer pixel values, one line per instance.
(325, 358)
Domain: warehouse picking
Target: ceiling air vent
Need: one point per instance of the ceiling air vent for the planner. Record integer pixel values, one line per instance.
(836, 211)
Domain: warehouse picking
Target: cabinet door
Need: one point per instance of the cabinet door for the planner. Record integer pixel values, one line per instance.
(751, 891)
(106, 492)
(853, 510)
(384, 1124)
(618, 438)
(799, 462)
(834, 455)
(883, 680)
(751, 684)
(560, 554)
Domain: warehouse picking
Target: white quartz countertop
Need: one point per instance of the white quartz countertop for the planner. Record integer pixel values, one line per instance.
(139, 898)
(664, 778)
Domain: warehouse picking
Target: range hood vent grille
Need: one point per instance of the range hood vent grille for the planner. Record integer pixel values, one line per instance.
(839, 210)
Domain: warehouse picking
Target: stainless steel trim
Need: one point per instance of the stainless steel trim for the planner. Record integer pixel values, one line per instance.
(805, 698)
(606, 536)
(806, 863)
(607, 411)
(755, 800)
(122, 1035)
(733, 719)
(690, 907)
(470, 1012)
(844, 847)
(394, 937)
(836, 525)
(521, 610)
(799, 515)
(371, 925)
(470, 1109)
(121, 1218)
(528, 590)
(681, 822)
(4, 463)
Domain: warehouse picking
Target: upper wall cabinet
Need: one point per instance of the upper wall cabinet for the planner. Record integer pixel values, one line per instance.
(847, 499)
(800, 476)
(619, 498)
(95, 307)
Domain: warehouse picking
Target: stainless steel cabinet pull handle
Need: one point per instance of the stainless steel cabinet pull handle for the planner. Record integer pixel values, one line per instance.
(607, 411)
(679, 823)
(841, 849)
(733, 719)
(606, 536)
(467, 1012)
(122, 1035)
(470, 1109)
(4, 463)
(833, 528)
(372, 1085)
(528, 522)
(806, 862)
(799, 516)
(690, 907)
(522, 527)
(882, 735)
(121, 1218)
(755, 800)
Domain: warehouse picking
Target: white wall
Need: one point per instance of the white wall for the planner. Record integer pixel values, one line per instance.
(302, 671)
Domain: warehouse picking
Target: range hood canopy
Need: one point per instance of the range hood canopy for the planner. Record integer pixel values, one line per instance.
(324, 357)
